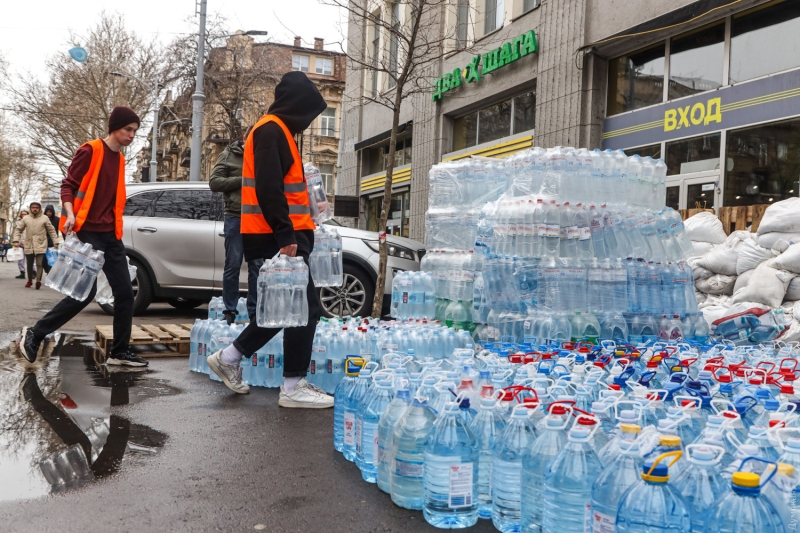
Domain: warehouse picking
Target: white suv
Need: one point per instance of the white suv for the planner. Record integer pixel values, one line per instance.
(173, 234)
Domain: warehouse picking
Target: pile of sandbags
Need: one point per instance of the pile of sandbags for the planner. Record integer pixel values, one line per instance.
(705, 231)
(781, 221)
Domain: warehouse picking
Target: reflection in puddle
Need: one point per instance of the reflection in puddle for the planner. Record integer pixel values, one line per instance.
(57, 427)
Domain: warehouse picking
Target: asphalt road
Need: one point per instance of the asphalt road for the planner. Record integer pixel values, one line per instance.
(229, 463)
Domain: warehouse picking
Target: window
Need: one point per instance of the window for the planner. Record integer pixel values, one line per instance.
(397, 223)
(300, 62)
(693, 155)
(496, 121)
(323, 66)
(328, 122)
(462, 20)
(493, 15)
(764, 41)
(527, 5)
(673, 196)
(407, 151)
(141, 204)
(652, 150)
(695, 61)
(394, 45)
(185, 204)
(375, 159)
(763, 163)
(376, 51)
(326, 171)
(636, 80)
(700, 196)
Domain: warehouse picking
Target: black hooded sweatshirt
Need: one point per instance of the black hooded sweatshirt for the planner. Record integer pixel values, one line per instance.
(54, 220)
(297, 103)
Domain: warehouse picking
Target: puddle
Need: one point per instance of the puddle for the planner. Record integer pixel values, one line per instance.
(57, 430)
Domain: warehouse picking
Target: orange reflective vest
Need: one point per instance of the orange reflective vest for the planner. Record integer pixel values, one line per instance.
(83, 198)
(294, 187)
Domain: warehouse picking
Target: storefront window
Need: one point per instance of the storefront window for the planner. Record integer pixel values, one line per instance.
(494, 122)
(524, 112)
(700, 196)
(763, 164)
(397, 223)
(765, 40)
(673, 196)
(695, 61)
(465, 131)
(636, 80)
(693, 155)
(652, 150)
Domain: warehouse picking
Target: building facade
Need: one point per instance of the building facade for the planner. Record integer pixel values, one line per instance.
(240, 82)
(711, 86)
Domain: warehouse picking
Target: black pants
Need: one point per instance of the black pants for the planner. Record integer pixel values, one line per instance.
(296, 341)
(116, 270)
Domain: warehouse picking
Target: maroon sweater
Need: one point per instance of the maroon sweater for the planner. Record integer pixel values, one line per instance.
(101, 212)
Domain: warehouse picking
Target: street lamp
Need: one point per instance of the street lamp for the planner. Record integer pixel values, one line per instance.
(156, 85)
(198, 98)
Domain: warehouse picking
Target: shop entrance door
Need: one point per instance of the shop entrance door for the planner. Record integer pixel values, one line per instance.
(699, 190)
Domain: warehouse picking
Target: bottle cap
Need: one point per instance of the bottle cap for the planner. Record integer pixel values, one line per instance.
(586, 421)
(669, 440)
(746, 479)
(786, 469)
(558, 410)
(630, 428)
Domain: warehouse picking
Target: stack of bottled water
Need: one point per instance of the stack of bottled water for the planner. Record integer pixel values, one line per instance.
(76, 269)
(282, 285)
(326, 258)
(318, 201)
(664, 436)
(104, 294)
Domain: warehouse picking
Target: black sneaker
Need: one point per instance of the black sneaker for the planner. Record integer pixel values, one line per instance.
(29, 345)
(126, 359)
(230, 316)
(21, 276)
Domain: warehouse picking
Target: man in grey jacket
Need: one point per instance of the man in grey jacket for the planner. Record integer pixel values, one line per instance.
(226, 177)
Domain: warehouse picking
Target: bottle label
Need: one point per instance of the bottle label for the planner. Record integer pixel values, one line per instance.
(254, 360)
(271, 360)
(573, 232)
(587, 518)
(405, 297)
(585, 233)
(430, 297)
(405, 283)
(349, 429)
(527, 324)
(312, 367)
(460, 486)
(408, 469)
(553, 231)
(329, 366)
(603, 523)
(319, 348)
(376, 450)
(358, 436)
(390, 347)
(597, 222)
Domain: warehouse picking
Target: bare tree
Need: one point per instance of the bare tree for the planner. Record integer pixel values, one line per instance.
(413, 37)
(25, 180)
(73, 105)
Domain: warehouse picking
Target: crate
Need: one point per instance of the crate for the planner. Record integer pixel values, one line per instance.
(149, 340)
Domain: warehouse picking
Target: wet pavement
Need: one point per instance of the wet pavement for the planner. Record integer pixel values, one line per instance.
(170, 450)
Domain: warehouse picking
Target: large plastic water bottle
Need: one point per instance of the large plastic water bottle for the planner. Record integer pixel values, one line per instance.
(609, 488)
(782, 491)
(339, 399)
(63, 264)
(653, 505)
(351, 404)
(391, 415)
(369, 414)
(744, 509)
(193, 353)
(701, 483)
(516, 439)
(450, 471)
(568, 485)
(79, 257)
(487, 426)
(406, 479)
(552, 222)
(335, 250)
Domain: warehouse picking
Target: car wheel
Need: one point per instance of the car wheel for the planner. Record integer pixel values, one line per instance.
(353, 298)
(142, 291)
(185, 304)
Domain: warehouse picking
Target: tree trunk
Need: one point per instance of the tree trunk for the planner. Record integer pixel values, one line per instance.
(380, 283)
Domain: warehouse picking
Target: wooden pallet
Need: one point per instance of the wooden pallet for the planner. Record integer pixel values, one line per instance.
(149, 340)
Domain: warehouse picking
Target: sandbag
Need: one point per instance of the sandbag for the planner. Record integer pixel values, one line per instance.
(722, 259)
(702, 248)
(716, 284)
(793, 290)
(700, 297)
(700, 273)
(789, 260)
(796, 311)
(783, 216)
(792, 333)
(768, 240)
(716, 300)
(713, 312)
(704, 227)
(742, 280)
(751, 254)
(767, 286)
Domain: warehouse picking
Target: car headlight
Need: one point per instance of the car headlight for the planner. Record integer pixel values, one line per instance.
(394, 250)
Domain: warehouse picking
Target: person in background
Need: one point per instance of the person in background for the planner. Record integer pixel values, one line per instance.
(21, 262)
(37, 229)
(50, 213)
(227, 179)
(6, 246)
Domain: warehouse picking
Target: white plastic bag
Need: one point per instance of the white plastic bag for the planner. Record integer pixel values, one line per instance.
(716, 284)
(742, 280)
(767, 286)
(789, 260)
(722, 259)
(705, 227)
(15, 254)
(751, 254)
(783, 216)
(768, 240)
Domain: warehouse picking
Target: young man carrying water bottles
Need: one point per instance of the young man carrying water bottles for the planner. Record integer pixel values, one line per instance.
(93, 195)
(276, 218)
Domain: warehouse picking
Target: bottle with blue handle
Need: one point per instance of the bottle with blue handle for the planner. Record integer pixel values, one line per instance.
(369, 415)
(409, 455)
(487, 426)
(351, 404)
(391, 415)
(450, 481)
(701, 483)
(609, 488)
(342, 391)
(568, 485)
(744, 509)
(651, 504)
(514, 442)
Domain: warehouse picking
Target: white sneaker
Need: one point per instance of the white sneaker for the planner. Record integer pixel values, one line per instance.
(305, 396)
(230, 375)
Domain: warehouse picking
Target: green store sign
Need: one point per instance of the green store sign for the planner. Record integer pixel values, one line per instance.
(485, 63)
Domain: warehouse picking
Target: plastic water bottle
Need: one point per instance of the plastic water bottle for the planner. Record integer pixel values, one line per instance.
(597, 226)
(409, 455)
(193, 353)
(335, 362)
(298, 308)
(63, 264)
(450, 471)
(369, 415)
(514, 442)
(653, 505)
(701, 483)
(552, 222)
(335, 250)
(487, 426)
(272, 354)
(743, 504)
(391, 415)
(241, 311)
(609, 488)
(568, 485)
(781, 491)
(339, 399)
